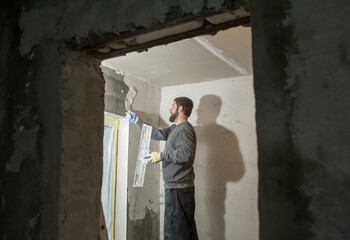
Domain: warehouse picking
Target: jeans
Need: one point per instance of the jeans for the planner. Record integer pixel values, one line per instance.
(179, 220)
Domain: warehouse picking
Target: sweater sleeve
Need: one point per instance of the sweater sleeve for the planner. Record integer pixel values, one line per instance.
(157, 134)
(185, 147)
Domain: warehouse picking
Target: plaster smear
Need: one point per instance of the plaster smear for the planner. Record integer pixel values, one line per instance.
(115, 73)
(219, 54)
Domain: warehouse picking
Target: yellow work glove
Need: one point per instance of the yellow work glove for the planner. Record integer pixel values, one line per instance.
(154, 157)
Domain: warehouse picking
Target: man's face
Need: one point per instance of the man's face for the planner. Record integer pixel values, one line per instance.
(173, 112)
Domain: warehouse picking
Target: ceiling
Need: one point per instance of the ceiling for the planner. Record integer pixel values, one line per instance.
(224, 55)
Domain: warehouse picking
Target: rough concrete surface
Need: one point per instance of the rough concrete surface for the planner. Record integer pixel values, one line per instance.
(61, 21)
(81, 163)
(30, 125)
(319, 123)
(301, 67)
(144, 229)
(115, 91)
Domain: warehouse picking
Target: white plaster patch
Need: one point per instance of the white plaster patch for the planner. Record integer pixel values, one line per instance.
(219, 54)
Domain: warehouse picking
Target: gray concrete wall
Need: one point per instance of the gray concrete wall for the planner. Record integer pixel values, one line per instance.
(81, 159)
(301, 74)
(115, 91)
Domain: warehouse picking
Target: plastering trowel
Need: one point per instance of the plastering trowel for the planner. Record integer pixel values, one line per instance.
(141, 162)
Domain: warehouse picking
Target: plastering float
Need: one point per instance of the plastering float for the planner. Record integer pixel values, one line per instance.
(141, 164)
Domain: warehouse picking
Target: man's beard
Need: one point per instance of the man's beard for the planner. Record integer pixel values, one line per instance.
(173, 116)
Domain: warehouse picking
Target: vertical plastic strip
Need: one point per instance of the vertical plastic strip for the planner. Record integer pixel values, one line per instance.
(115, 179)
(113, 171)
(141, 163)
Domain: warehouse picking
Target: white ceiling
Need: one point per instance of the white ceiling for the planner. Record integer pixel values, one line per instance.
(205, 58)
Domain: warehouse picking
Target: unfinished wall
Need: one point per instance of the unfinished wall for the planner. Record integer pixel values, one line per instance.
(143, 203)
(226, 157)
(302, 68)
(81, 161)
(115, 91)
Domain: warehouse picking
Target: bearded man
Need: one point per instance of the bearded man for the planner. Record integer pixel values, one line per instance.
(178, 174)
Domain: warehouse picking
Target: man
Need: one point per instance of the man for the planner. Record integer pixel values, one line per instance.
(177, 162)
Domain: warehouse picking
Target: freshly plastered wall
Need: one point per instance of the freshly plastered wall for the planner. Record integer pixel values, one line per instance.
(226, 158)
(143, 203)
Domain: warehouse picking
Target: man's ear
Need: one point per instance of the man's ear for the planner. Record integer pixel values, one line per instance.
(181, 108)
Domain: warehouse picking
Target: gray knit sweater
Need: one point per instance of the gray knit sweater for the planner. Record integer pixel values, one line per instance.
(178, 155)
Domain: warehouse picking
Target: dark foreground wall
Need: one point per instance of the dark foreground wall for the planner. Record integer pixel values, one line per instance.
(301, 52)
(30, 130)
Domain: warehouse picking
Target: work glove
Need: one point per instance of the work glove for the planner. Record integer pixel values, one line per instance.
(132, 117)
(154, 157)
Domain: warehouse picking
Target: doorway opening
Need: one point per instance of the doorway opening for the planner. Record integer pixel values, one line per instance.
(216, 73)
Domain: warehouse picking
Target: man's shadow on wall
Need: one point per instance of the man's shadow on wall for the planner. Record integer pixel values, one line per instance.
(218, 162)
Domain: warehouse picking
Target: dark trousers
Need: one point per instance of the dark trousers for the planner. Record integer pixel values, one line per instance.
(179, 223)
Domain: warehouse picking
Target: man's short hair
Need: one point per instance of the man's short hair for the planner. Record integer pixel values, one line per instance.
(186, 103)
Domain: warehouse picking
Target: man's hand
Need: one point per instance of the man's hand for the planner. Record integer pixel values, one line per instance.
(132, 117)
(154, 157)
